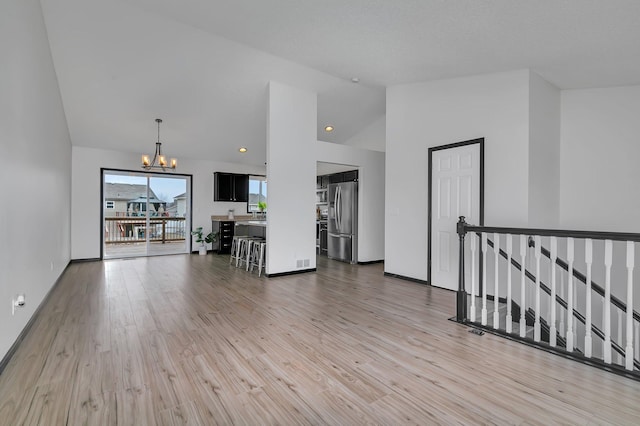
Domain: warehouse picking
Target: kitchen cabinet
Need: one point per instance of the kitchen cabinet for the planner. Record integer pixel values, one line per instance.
(350, 176)
(231, 187)
(226, 229)
(322, 182)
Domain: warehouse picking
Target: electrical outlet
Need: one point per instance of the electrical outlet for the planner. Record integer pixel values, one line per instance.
(17, 302)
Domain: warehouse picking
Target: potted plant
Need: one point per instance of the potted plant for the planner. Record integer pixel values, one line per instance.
(262, 206)
(209, 238)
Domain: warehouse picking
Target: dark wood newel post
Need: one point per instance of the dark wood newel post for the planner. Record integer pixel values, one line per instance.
(461, 295)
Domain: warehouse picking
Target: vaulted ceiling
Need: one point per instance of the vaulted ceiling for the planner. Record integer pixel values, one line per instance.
(203, 65)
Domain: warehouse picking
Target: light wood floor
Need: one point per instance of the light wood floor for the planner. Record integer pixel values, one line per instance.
(189, 339)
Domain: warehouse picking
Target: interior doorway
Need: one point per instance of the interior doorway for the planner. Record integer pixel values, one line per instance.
(456, 188)
(145, 214)
(337, 203)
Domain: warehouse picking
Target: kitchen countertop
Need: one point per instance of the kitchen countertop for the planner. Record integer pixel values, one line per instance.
(236, 218)
(251, 222)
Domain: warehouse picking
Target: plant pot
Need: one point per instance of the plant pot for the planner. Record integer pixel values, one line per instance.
(202, 250)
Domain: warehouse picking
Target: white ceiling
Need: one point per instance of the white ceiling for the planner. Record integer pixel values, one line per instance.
(203, 65)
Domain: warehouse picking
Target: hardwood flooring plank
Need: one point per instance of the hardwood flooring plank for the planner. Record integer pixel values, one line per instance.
(93, 409)
(134, 406)
(186, 414)
(48, 405)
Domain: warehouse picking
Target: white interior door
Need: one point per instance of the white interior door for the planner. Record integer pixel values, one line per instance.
(455, 192)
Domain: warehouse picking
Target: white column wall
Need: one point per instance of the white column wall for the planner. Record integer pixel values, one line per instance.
(599, 172)
(291, 173)
(36, 172)
(431, 114)
(599, 167)
(544, 153)
(371, 197)
(86, 226)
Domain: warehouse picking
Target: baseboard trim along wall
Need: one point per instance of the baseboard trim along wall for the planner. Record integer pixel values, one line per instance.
(12, 350)
(282, 274)
(371, 262)
(402, 277)
(90, 259)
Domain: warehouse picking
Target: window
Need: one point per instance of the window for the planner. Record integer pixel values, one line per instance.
(110, 204)
(257, 193)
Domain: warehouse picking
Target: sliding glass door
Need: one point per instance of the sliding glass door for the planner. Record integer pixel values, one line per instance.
(145, 214)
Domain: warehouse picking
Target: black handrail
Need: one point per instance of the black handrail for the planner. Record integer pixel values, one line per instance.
(563, 303)
(596, 235)
(581, 277)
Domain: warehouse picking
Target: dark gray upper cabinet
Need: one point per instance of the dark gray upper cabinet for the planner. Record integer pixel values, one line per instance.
(350, 176)
(231, 187)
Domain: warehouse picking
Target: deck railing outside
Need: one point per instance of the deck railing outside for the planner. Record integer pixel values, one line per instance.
(568, 291)
(135, 229)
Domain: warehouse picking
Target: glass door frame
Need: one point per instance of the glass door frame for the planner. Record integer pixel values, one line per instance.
(147, 175)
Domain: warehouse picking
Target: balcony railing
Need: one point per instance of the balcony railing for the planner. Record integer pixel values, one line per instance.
(135, 229)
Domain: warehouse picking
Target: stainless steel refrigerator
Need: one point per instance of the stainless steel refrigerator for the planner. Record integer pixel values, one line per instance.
(342, 222)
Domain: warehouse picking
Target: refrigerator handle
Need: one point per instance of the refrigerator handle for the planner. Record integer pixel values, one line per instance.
(335, 207)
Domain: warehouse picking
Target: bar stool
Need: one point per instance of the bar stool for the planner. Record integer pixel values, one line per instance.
(259, 249)
(251, 243)
(236, 245)
(244, 251)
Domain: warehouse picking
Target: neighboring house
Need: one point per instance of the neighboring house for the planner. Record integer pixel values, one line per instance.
(124, 199)
(180, 203)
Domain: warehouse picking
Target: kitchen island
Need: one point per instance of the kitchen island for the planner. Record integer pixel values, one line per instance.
(252, 228)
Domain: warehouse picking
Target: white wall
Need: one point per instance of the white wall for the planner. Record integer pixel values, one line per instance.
(436, 113)
(544, 153)
(36, 172)
(599, 159)
(371, 174)
(86, 227)
(291, 172)
(600, 174)
(371, 137)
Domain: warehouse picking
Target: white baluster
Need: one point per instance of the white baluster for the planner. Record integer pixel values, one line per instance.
(509, 318)
(552, 303)
(570, 258)
(637, 339)
(523, 257)
(628, 352)
(608, 260)
(588, 258)
(536, 324)
(484, 279)
(473, 240)
(496, 291)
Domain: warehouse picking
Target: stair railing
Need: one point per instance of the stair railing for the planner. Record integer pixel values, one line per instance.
(556, 301)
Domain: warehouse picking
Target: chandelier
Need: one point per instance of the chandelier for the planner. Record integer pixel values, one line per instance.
(161, 159)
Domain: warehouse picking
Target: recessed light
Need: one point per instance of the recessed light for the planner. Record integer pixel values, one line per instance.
(328, 129)
(355, 80)
(243, 149)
